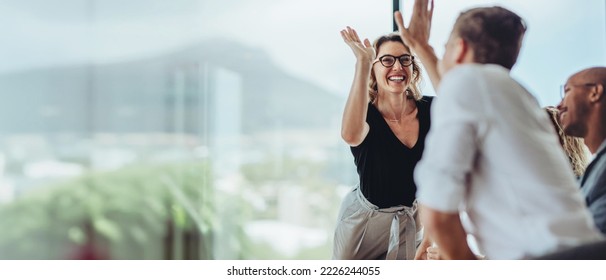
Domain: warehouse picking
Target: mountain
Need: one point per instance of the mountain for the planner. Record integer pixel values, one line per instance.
(172, 92)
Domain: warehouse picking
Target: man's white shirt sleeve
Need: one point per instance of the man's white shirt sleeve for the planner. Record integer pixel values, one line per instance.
(457, 123)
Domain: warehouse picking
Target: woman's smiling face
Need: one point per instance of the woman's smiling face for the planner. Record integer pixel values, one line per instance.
(397, 77)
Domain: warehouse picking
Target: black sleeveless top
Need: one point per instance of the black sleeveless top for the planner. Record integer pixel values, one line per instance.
(384, 164)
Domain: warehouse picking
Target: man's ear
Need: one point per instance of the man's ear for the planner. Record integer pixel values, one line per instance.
(461, 50)
(598, 94)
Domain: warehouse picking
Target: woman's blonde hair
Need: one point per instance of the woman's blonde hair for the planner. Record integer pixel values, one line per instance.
(413, 89)
(573, 146)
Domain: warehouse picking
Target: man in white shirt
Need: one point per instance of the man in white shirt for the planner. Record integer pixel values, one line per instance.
(583, 114)
(491, 151)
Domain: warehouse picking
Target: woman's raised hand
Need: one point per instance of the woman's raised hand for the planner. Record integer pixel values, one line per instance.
(364, 52)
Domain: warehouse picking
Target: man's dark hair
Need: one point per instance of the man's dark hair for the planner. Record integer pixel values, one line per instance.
(494, 33)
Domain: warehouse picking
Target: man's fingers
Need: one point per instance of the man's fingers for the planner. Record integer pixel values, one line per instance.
(420, 5)
(400, 23)
(367, 43)
(430, 11)
(399, 20)
(420, 9)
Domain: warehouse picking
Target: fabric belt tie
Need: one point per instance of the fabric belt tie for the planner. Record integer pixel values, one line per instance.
(394, 235)
(394, 231)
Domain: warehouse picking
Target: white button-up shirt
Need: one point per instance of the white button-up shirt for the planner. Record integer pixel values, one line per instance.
(493, 152)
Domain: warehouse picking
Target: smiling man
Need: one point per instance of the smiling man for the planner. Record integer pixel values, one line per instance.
(583, 114)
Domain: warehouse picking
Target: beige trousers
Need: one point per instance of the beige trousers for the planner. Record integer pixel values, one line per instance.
(365, 232)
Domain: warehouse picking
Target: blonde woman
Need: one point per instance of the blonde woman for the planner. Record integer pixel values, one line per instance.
(573, 146)
(385, 122)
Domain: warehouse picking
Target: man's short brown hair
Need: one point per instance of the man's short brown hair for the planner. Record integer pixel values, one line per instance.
(494, 33)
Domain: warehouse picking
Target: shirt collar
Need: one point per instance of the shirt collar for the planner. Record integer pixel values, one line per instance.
(602, 147)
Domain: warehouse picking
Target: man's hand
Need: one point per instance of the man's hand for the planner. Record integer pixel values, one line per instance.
(417, 34)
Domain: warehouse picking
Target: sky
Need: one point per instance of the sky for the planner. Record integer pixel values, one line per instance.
(302, 37)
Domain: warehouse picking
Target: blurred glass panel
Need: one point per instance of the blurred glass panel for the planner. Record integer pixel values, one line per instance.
(168, 130)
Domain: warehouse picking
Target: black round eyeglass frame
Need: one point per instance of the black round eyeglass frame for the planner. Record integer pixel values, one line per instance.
(390, 60)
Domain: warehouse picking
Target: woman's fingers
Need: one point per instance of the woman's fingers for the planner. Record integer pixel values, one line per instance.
(349, 35)
(362, 50)
(345, 36)
(355, 35)
(433, 253)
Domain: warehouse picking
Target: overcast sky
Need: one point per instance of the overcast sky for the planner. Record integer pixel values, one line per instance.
(302, 37)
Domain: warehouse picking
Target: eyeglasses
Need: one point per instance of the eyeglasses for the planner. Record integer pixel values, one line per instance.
(564, 89)
(389, 60)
